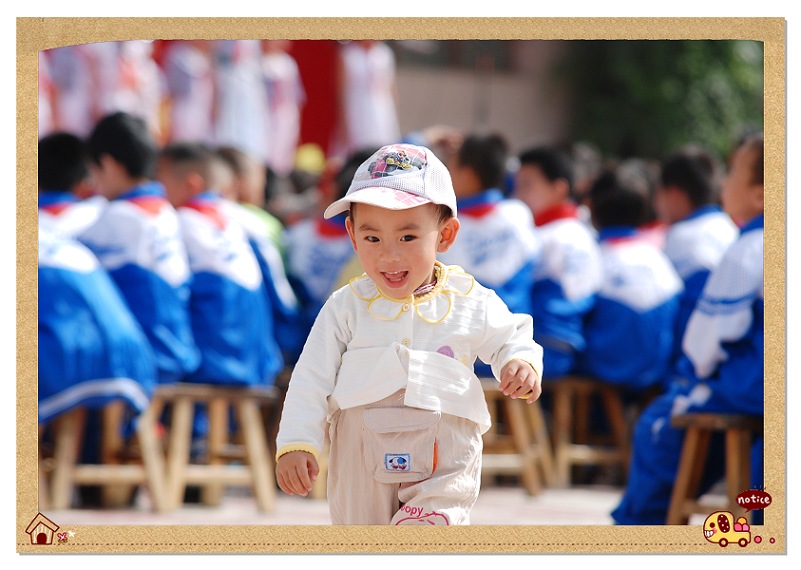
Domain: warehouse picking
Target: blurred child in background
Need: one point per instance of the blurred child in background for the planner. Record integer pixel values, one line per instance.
(699, 232)
(230, 318)
(722, 363)
(568, 274)
(498, 245)
(629, 330)
(137, 239)
(243, 200)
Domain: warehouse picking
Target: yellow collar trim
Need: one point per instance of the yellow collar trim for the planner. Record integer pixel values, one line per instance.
(432, 307)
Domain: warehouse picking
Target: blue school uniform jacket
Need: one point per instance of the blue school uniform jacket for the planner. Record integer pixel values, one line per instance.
(695, 246)
(138, 241)
(566, 279)
(498, 246)
(91, 349)
(724, 345)
(230, 316)
(281, 299)
(629, 331)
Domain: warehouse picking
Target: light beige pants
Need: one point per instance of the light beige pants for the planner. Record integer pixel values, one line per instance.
(392, 464)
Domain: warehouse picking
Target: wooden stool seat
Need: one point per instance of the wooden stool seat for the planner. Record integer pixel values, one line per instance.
(228, 463)
(572, 442)
(116, 472)
(523, 447)
(739, 430)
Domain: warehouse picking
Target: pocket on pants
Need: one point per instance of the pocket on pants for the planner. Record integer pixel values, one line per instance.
(399, 443)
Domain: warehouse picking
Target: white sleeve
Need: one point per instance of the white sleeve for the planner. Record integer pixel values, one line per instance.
(302, 426)
(508, 335)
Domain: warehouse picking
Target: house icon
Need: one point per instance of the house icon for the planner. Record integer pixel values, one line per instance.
(41, 530)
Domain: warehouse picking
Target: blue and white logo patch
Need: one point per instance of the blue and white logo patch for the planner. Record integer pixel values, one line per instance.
(397, 462)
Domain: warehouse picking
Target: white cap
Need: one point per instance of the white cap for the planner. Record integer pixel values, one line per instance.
(398, 177)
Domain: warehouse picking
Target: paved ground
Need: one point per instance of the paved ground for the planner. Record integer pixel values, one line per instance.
(496, 505)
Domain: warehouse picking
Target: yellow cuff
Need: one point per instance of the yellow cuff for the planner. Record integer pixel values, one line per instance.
(297, 447)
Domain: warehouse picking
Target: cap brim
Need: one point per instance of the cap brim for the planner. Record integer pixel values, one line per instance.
(382, 197)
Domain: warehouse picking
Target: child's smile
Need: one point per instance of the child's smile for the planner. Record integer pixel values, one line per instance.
(398, 248)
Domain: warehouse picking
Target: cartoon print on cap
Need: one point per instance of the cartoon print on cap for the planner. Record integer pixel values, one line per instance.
(396, 160)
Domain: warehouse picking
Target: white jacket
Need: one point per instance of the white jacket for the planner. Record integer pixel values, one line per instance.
(365, 346)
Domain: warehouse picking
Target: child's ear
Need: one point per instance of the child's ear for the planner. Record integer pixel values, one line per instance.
(349, 227)
(447, 234)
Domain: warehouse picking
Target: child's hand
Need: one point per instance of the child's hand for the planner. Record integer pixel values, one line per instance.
(519, 380)
(296, 471)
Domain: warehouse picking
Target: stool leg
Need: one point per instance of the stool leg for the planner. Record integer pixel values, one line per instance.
(261, 465)
(688, 476)
(542, 441)
(518, 429)
(562, 419)
(152, 457)
(113, 495)
(217, 438)
(620, 430)
(738, 468)
(178, 453)
(68, 434)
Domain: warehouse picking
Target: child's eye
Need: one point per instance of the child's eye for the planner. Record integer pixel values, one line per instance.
(408, 238)
(371, 239)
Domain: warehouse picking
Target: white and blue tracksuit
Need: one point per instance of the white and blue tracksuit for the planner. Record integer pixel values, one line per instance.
(281, 299)
(91, 349)
(498, 246)
(695, 246)
(229, 312)
(138, 241)
(722, 361)
(66, 214)
(629, 331)
(566, 279)
(316, 251)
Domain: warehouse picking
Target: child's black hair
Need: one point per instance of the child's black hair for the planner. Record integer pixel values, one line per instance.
(63, 162)
(127, 139)
(619, 197)
(196, 157)
(553, 163)
(695, 171)
(486, 155)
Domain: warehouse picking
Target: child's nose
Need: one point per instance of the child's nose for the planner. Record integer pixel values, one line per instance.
(390, 252)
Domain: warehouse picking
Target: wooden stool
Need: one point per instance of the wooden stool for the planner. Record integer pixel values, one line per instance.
(571, 433)
(738, 430)
(116, 472)
(523, 448)
(245, 462)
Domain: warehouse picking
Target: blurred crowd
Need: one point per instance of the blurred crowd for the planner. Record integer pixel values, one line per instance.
(181, 238)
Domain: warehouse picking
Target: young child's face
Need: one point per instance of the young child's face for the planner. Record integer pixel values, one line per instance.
(536, 190)
(742, 197)
(397, 248)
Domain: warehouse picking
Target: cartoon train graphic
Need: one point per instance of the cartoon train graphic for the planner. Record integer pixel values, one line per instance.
(721, 527)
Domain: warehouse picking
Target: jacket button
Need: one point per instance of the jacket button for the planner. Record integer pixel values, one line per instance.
(405, 342)
(406, 306)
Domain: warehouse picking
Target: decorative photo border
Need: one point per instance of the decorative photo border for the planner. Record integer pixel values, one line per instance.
(34, 34)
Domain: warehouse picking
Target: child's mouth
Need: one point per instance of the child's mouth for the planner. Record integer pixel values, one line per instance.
(394, 278)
